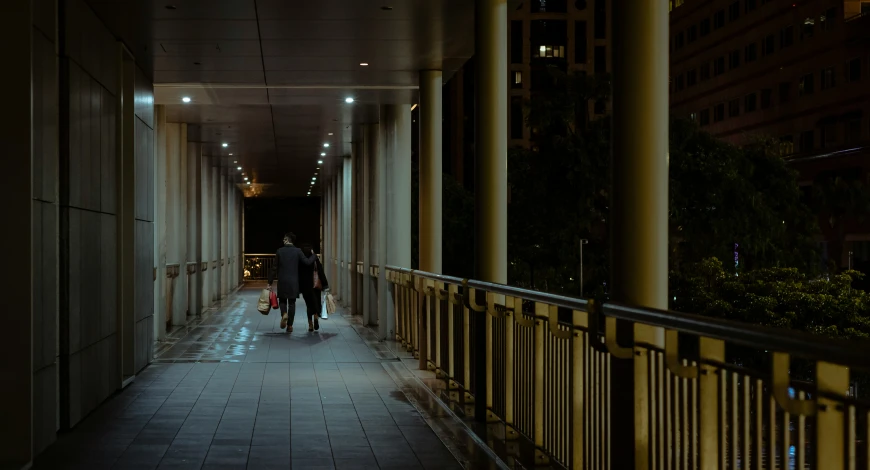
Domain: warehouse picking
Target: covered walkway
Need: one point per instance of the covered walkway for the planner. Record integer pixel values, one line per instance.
(235, 392)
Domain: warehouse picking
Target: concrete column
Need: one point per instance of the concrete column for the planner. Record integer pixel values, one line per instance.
(225, 236)
(339, 231)
(639, 208)
(394, 195)
(206, 227)
(431, 168)
(17, 190)
(194, 229)
(160, 221)
(370, 217)
(357, 154)
(347, 222)
(215, 234)
(492, 138)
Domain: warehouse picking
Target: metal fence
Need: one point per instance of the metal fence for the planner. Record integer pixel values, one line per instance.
(697, 393)
(258, 267)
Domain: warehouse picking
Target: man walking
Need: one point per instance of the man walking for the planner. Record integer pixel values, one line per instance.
(286, 270)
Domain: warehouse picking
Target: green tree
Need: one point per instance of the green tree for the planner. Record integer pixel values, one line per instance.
(720, 195)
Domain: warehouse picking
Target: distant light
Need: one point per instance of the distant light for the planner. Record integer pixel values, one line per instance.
(348, 100)
(326, 144)
(319, 162)
(186, 99)
(364, 64)
(226, 144)
(239, 168)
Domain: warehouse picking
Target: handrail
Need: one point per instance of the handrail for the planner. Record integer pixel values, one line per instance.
(259, 254)
(798, 343)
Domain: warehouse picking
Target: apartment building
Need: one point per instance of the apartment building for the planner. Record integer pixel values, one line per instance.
(795, 70)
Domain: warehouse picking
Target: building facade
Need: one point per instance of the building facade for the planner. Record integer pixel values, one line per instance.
(796, 71)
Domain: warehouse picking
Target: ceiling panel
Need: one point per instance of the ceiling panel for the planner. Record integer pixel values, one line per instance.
(270, 77)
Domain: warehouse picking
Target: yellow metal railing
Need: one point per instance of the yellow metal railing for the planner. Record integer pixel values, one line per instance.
(543, 368)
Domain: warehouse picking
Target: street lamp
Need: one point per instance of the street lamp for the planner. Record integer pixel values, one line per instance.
(582, 242)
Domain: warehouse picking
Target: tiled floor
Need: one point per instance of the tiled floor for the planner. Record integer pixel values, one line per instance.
(234, 392)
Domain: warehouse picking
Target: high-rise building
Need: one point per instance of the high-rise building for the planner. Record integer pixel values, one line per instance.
(796, 71)
(571, 35)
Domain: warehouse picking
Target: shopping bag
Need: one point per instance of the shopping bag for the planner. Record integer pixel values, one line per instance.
(324, 315)
(273, 299)
(316, 278)
(330, 304)
(263, 304)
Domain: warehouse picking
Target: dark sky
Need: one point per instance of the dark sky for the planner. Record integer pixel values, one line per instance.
(266, 221)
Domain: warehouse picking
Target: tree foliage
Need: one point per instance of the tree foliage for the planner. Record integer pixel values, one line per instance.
(781, 297)
(720, 195)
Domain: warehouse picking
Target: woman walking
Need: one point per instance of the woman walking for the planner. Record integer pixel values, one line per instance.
(311, 292)
(288, 260)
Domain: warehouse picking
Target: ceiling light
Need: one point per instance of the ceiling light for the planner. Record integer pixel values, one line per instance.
(313, 178)
(186, 99)
(319, 162)
(225, 144)
(239, 168)
(414, 107)
(246, 178)
(235, 161)
(364, 64)
(322, 154)
(330, 133)
(348, 100)
(326, 144)
(249, 182)
(231, 154)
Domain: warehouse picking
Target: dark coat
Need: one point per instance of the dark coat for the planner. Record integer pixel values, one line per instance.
(306, 276)
(288, 260)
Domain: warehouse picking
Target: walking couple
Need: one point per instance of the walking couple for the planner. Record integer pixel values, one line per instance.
(299, 271)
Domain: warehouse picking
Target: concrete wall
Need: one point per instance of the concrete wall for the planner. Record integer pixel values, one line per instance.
(88, 237)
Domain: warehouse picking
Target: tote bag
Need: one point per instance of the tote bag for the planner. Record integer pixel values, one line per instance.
(264, 305)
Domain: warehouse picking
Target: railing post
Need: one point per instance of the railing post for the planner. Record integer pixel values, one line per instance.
(711, 350)
(831, 381)
(578, 392)
(541, 311)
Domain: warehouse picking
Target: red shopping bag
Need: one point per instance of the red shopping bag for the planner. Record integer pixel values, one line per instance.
(273, 299)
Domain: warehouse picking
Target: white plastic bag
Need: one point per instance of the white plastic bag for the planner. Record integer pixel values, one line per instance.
(263, 304)
(324, 315)
(331, 306)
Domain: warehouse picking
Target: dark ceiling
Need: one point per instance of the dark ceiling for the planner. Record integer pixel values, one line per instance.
(270, 77)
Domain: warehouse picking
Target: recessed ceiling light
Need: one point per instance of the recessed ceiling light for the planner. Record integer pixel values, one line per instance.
(186, 99)
(319, 162)
(246, 178)
(231, 154)
(225, 144)
(364, 64)
(249, 182)
(348, 100)
(235, 161)
(239, 168)
(322, 154)
(330, 133)
(313, 178)
(326, 144)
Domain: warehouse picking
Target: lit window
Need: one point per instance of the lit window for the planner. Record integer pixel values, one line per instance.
(517, 81)
(551, 52)
(808, 29)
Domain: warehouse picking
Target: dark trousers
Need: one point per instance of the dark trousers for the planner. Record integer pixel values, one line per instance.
(312, 302)
(288, 306)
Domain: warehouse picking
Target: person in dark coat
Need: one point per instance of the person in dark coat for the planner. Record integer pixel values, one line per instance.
(288, 259)
(309, 292)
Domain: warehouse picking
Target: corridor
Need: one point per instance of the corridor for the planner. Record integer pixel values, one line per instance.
(233, 392)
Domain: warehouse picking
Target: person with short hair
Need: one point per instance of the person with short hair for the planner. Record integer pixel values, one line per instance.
(288, 259)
